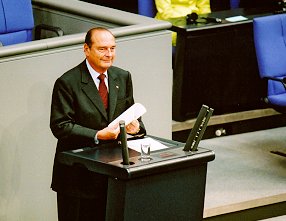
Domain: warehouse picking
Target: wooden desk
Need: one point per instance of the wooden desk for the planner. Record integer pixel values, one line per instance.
(215, 64)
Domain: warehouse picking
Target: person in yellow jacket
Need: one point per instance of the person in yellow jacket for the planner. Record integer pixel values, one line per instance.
(167, 9)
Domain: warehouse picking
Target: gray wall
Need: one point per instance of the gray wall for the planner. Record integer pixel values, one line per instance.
(28, 72)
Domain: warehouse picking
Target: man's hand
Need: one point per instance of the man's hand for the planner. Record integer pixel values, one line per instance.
(133, 127)
(108, 133)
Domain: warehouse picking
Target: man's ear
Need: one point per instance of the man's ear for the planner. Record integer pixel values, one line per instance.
(86, 49)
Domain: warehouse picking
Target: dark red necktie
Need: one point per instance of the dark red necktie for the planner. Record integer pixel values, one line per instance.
(103, 90)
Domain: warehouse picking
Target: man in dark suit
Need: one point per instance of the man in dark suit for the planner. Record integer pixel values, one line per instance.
(79, 119)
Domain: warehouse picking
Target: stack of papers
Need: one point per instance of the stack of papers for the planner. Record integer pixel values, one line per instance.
(236, 18)
(132, 113)
(154, 144)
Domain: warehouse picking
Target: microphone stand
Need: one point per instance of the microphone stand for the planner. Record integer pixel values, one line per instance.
(123, 140)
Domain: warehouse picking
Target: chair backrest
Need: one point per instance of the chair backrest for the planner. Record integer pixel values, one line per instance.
(16, 21)
(270, 45)
(234, 3)
(147, 8)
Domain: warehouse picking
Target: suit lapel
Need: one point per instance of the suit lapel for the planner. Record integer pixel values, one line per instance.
(89, 88)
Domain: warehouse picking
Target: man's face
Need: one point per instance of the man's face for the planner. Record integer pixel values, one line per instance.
(102, 51)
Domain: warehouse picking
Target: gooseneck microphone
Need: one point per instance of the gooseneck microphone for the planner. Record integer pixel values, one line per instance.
(193, 17)
(123, 140)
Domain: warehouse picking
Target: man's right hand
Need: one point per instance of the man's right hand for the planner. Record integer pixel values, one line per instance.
(108, 133)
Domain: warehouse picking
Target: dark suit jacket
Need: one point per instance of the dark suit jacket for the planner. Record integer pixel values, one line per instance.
(77, 113)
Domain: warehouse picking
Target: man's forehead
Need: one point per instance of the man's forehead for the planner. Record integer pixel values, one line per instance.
(105, 44)
(102, 34)
(103, 39)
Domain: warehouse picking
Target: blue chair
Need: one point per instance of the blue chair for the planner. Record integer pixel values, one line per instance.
(270, 46)
(234, 4)
(17, 23)
(147, 8)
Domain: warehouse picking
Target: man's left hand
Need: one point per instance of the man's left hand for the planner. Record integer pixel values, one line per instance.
(133, 127)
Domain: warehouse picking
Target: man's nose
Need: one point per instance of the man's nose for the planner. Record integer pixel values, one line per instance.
(108, 52)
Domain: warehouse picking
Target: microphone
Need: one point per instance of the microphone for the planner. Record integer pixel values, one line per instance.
(193, 17)
(123, 139)
(199, 128)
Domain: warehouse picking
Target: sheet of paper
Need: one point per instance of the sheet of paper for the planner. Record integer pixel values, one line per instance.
(155, 145)
(236, 18)
(132, 113)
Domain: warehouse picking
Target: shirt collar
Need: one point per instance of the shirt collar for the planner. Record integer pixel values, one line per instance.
(94, 73)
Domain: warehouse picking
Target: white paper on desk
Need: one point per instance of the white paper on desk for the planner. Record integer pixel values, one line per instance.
(132, 113)
(236, 18)
(154, 144)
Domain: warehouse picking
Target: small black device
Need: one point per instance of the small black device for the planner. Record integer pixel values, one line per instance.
(193, 18)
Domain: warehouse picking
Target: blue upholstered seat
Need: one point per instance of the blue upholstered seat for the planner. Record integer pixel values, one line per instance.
(234, 3)
(270, 45)
(16, 21)
(147, 8)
